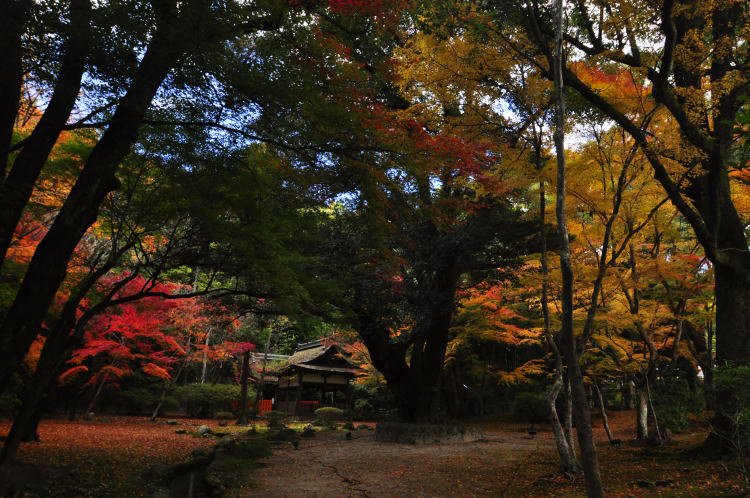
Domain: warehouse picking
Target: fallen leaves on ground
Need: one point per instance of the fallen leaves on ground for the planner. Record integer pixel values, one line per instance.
(110, 458)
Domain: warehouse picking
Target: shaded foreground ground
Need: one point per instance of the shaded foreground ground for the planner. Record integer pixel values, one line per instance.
(113, 458)
(509, 463)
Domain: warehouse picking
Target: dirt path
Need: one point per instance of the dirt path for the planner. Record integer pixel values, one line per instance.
(331, 466)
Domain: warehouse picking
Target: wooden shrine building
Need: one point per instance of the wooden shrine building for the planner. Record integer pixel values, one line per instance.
(317, 374)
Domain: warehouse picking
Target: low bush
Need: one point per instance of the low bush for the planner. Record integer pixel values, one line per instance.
(329, 414)
(203, 400)
(139, 400)
(250, 448)
(277, 419)
(530, 408)
(223, 415)
(408, 433)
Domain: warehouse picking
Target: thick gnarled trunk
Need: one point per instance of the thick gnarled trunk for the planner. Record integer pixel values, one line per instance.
(732, 291)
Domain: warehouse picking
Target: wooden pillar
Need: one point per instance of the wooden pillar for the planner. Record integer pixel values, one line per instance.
(298, 397)
(323, 395)
(349, 394)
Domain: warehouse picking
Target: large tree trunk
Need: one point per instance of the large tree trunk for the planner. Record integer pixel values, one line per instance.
(16, 190)
(568, 342)
(412, 385)
(31, 434)
(12, 24)
(48, 266)
(732, 291)
(22, 424)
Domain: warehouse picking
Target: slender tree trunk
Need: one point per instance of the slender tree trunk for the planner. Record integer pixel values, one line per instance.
(262, 380)
(568, 417)
(243, 387)
(205, 356)
(568, 463)
(569, 348)
(99, 388)
(176, 376)
(158, 406)
(603, 411)
(659, 439)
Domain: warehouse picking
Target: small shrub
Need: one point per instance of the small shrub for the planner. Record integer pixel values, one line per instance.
(250, 448)
(223, 415)
(329, 414)
(349, 426)
(308, 431)
(249, 414)
(277, 419)
(284, 434)
(530, 408)
(363, 408)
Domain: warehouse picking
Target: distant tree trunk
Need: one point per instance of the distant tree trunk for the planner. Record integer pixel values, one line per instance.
(242, 419)
(99, 388)
(628, 395)
(173, 380)
(262, 380)
(642, 415)
(603, 411)
(654, 417)
(568, 342)
(205, 356)
(158, 406)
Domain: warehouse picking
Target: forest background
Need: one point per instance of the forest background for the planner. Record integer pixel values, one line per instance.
(182, 180)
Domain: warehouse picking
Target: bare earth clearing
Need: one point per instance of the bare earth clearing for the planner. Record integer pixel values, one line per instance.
(329, 466)
(509, 464)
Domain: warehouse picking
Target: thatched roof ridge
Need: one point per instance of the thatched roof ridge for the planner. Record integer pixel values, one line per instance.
(307, 353)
